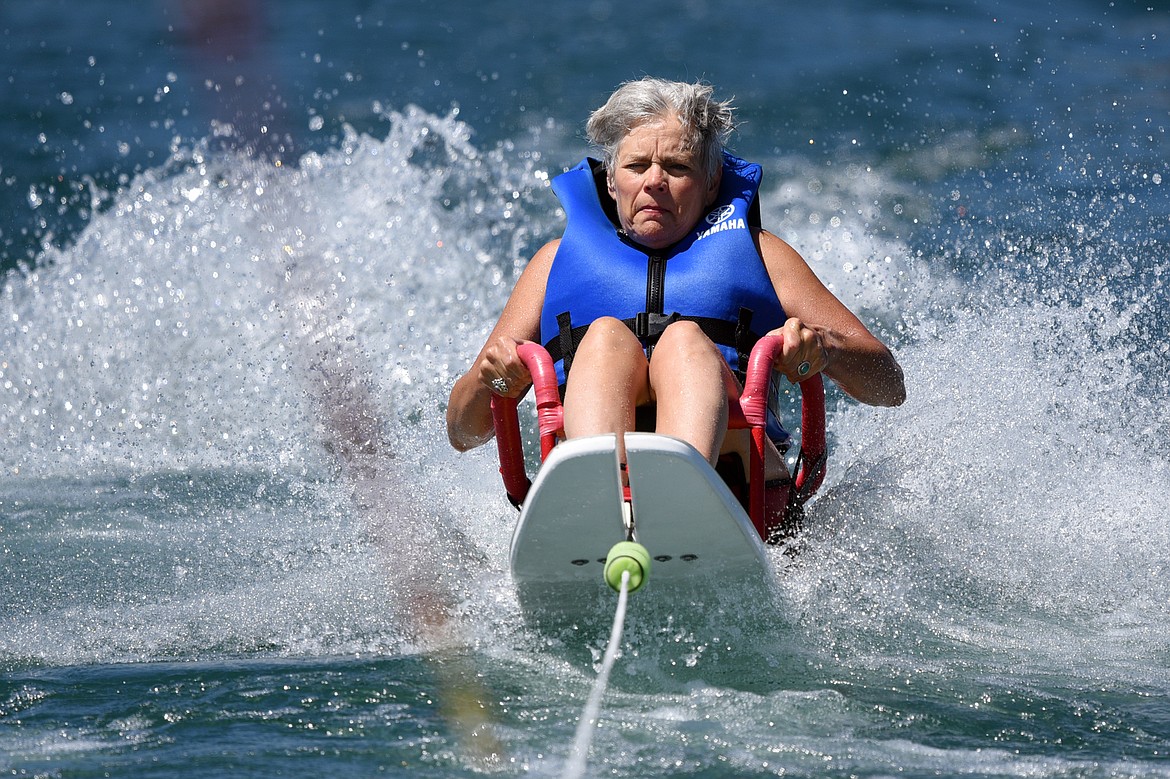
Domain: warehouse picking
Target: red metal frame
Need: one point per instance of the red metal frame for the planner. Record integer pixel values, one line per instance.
(749, 412)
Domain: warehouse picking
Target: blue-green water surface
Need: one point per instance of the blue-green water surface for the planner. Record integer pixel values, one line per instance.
(248, 247)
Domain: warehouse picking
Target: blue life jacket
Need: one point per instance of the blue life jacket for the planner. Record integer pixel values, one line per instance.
(714, 276)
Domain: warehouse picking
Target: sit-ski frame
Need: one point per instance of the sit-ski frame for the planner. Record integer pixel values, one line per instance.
(750, 412)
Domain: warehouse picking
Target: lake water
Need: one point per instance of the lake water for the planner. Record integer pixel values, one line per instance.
(222, 276)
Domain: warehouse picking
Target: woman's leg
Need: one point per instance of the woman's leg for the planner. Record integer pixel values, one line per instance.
(608, 380)
(691, 383)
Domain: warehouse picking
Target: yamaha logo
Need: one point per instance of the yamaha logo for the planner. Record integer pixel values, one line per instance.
(720, 214)
(721, 220)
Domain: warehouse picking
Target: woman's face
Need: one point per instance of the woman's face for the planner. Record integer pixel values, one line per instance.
(660, 189)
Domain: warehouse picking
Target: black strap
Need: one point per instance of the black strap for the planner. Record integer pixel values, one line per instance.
(648, 328)
(815, 468)
(744, 339)
(564, 340)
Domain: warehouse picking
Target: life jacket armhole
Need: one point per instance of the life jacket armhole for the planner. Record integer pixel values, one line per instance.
(601, 184)
(754, 219)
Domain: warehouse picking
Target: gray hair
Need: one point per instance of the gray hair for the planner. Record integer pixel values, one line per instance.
(709, 122)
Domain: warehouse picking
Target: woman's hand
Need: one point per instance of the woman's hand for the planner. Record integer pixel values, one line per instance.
(500, 368)
(805, 351)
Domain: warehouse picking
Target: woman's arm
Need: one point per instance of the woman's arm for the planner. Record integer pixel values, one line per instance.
(824, 333)
(469, 413)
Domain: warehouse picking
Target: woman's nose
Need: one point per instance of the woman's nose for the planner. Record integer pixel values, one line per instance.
(655, 177)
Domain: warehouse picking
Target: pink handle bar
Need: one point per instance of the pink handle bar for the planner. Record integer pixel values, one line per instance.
(549, 417)
(751, 411)
(753, 414)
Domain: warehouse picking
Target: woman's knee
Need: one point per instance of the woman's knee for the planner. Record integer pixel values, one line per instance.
(607, 337)
(608, 378)
(685, 357)
(686, 341)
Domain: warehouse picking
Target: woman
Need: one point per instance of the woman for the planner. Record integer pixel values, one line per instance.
(660, 285)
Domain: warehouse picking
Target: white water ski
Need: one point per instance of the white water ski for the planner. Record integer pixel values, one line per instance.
(702, 543)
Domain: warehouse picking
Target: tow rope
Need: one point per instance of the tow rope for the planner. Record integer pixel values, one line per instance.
(626, 567)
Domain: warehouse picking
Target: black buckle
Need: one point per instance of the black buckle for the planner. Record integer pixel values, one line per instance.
(642, 325)
(649, 327)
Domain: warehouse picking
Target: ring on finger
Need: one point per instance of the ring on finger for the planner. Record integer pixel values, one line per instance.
(500, 384)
